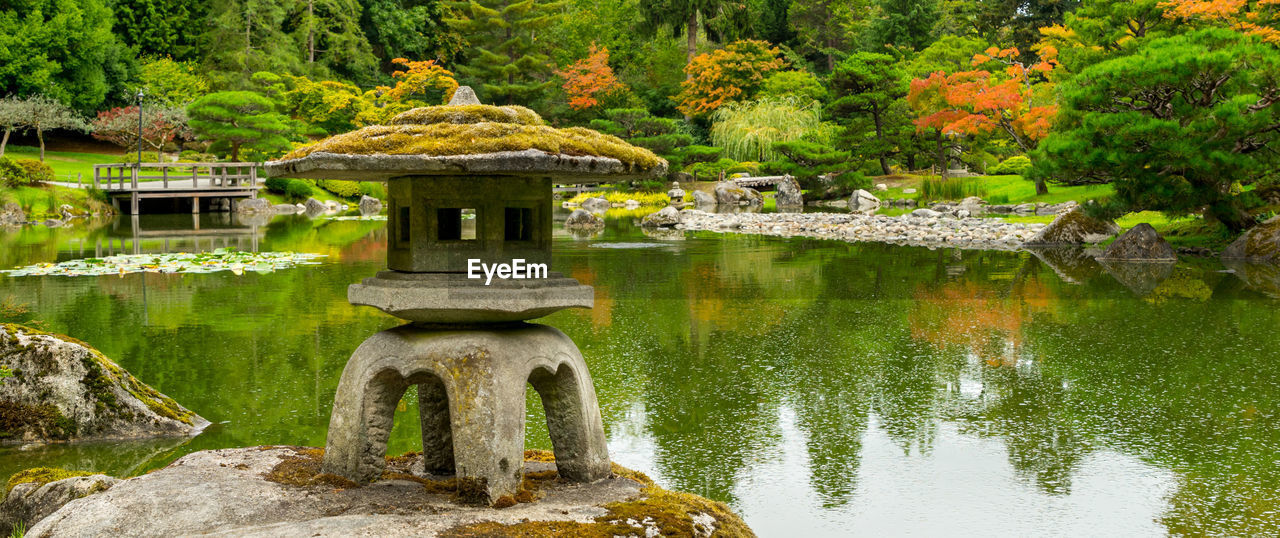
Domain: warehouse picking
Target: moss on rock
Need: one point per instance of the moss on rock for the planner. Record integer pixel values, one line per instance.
(444, 139)
(41, 476)
(464, 114)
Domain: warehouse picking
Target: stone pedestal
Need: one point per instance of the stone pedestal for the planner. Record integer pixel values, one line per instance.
(471, 396)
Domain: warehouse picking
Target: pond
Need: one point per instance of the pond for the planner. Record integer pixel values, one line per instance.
(820, 388)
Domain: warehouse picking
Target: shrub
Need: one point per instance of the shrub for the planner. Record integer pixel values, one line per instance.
(1016, 165)
(937, 188)
(710, 171)
(36, 171)
(372, 189)
(278, 185)
(11, 175)
(297, 191)
(193, 156)
(344, 189)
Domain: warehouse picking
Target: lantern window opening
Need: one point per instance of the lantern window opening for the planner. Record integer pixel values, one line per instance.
(518, 224)
(456, 224)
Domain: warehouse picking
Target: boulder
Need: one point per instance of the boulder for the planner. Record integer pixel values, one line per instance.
(1261, 244)
(67, 212)
(926, 213)
(681, 177)
(703, 199)
(62, 389)
(862, 200)
(286, 208)
(730, 194)
(279, 491)
(581, 218)
(12, 215)
(908, 191)
(42, 491)
(789, 194)
(595, 205)
(664, 218)
(370, 205)
(1074, 228)
(1140, 243)
(315, 207)
(464, 95)
(631, 204)
(1028, 209)
(255, 205)
(881, 187)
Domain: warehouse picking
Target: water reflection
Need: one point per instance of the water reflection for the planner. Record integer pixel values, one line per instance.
(820, 387)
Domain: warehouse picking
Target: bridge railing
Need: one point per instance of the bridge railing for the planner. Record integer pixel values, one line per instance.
(127, 176)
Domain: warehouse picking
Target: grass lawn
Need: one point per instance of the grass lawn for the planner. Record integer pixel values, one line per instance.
(1007, 190)
(43, 202)
(64, 163)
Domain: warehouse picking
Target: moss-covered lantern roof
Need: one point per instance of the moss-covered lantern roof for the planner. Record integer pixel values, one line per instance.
(468, 138)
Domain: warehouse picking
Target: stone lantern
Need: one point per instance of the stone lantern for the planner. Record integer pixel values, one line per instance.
(470, 186)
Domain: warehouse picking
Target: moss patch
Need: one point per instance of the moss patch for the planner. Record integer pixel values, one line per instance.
(472, 139)
(465, 114)
(41, 476)
(44, 420)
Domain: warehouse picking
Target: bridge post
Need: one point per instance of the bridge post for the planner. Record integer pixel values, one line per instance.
(133, 203)
(195, 205)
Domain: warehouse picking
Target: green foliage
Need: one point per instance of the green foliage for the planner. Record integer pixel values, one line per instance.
(1149, 123)
(801, 85)
(297, 190)
(904, 24)
(5, 372)
(709, 171)
(23, 172)
(343, 189)
(828, 29)
(40, 476)
(410, 29)
(1016, 165)
(747, 131)
(808, 160)
(666, 137)
(506, 64)
(867, 86)
(161, 27)
(939, 188)
(277, 185)
(64, 49)
(239, 119)
(172, 83)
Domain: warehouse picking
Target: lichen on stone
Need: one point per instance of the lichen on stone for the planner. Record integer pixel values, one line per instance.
(40, 476)
(443, 139)
(464, 114)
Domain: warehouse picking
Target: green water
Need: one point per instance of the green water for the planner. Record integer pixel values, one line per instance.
(820, 388)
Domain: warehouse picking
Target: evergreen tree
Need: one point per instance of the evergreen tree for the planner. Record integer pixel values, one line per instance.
(63, 49)
(247, 36)
(719, 19)
(331, 41)
(509, 64)
(827, 27)
(239, 120)
(904, 24)
(161, 27)
(866, 86)
(409, 29)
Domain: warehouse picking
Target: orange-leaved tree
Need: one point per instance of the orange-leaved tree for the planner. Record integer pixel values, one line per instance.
(982, 101)
(589, 79)
(733, 73)
(1260, 18)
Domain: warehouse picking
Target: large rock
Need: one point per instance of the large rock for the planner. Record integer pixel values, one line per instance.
(595, 205)
(255, 205)
(1074, 228)
(41, 492)
(703, 199)
(370, 205)
(730, 194)
(286, 208)
(315, 207)
(278, 491)
(1140, 243)
(663, 218)
(925, 213)
(12, 215)
(1259, 245)
(862, 200)
(62, 389)
(581, 218)
(789, 194)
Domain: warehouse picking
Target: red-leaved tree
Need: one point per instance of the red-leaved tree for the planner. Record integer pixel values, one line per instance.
(589, 79)
(160, 125)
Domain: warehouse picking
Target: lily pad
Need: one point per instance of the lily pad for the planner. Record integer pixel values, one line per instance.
(237, 262)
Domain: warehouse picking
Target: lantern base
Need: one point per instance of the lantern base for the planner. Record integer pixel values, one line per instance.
(452, 298)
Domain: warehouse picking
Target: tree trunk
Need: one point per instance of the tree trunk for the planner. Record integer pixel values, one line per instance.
(235, 153)
(40, 136)
(5, 141)
(311, 31)
(884, 161)
(693, 40)
(1230, 215)
(941, 154)
(1041, 187)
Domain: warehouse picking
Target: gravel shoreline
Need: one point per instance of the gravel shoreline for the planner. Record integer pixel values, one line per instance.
(932, 232)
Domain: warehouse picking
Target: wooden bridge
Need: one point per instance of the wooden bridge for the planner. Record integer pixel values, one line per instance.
(133, 183)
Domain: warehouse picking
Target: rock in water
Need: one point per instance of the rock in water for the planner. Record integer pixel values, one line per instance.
(254, 205)
(730, 194)
(664, 218)
(39, 492)
(789, 194)
(1140, 243)
(703, 199)
(595, 205)
(581, 218)
(12, 215)
(1259, 244)
(315, 207)
(862, 200)
(1074, 228)
(65, 390)
(278, 491)
(370, 205)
